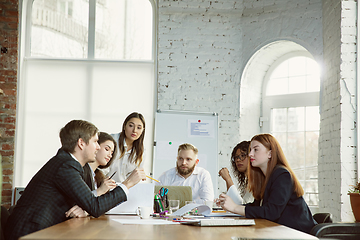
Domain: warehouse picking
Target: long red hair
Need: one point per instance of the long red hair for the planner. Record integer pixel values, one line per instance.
(257, 180)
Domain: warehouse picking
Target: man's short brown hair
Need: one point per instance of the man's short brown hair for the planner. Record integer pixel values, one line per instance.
(73, 131)
(188, 146)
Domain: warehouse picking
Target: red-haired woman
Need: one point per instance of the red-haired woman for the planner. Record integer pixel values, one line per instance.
(277, 191)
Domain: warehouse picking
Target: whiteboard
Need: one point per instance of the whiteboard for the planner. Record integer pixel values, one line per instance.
(173, 128)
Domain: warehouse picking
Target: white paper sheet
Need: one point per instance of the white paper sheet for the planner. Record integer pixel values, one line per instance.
(149, 221)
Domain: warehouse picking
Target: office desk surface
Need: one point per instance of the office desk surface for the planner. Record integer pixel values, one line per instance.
(105, 228)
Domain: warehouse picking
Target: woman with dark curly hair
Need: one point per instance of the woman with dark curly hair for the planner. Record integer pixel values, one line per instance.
(239, 163)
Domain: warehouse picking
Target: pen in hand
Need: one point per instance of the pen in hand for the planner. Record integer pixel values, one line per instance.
(112, 175)
(153, 179)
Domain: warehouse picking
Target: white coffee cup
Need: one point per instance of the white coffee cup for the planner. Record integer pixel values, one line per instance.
(144, 212)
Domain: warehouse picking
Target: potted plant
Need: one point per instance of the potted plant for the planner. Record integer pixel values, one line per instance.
(354, 193)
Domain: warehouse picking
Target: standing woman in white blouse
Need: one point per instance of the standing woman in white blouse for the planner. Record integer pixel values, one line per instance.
(130, 147)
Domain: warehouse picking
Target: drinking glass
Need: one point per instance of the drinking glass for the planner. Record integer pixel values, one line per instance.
(174, 205)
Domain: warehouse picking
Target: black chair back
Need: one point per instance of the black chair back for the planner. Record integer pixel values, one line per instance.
(323, 217)
(341, 231)
(4, 217)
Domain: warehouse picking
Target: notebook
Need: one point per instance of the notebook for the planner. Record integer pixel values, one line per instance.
(141, 194)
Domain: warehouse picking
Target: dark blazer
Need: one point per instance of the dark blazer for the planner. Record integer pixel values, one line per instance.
(280, 203)
(54, 189)
(88, 178)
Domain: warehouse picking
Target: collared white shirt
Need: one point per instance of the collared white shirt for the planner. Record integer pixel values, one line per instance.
(124, 188)
(200, 182)
(123, 166)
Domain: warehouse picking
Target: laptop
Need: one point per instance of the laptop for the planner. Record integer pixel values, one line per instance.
(182, 193)
(142, 194)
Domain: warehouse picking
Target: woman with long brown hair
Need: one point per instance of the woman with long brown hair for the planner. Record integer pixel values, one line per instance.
(277, 191)
(239, 164)
(130, 148)
(93, 176)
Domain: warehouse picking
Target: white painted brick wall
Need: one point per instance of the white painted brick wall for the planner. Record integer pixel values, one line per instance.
(348, 104)
(199, 60)
(204, 46)
(337, 144)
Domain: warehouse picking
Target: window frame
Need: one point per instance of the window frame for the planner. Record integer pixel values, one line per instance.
(25, 26)
(286, 100)
(91, 35)
(305, 99)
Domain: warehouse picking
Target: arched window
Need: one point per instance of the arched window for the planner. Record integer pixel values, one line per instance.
(291, 114)
(82, 59)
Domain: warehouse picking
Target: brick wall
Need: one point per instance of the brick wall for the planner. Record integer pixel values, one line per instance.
(337, 142)
(269, 29)
(8, 83)
(203, 47)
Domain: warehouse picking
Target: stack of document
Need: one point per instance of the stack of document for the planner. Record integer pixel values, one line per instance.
(218, 222)
(205, 217)
(202, 210)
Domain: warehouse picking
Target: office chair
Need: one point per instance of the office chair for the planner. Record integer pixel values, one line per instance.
(341, 231)
(323, 217)
(4, 217)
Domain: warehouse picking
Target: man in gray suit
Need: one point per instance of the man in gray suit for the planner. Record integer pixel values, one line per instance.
(59, 186)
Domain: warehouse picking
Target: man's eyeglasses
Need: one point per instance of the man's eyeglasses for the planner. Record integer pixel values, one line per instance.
(240, 157)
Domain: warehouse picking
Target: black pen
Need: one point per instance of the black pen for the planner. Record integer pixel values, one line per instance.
(112, 175)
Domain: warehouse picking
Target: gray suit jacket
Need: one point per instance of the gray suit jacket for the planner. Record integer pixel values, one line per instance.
(55, 188)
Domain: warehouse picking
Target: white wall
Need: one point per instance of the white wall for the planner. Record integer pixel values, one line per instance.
(337, 142)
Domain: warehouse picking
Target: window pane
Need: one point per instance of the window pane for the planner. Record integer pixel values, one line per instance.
(59, 29)
(300, 147)
(281, 71)
(278, 86)
(282, 139)
(279, 120)
(297, 66)
(294, 75)
(297, 84)
(124, 30)
(313, 77)
(312, 142)
(297, 128)
(313, 198)
(312, 118)
(313, 83)
(296, 117)
(296, 151)
(58, 91)
(47, 109)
